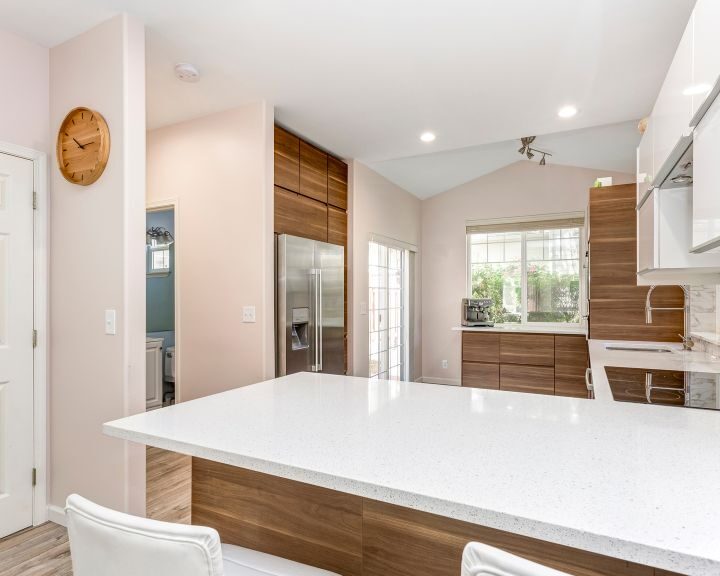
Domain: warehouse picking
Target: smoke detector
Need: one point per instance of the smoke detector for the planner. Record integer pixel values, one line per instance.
(186, 72)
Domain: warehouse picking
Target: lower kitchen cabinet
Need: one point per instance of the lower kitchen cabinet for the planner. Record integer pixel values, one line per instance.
(525, 362)
(533, 379)
(481, 375)
(571, 362)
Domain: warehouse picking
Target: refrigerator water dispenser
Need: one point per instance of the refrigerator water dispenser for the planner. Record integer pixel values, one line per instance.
(300, 328)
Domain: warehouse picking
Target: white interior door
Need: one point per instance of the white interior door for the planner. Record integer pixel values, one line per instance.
(16, 343)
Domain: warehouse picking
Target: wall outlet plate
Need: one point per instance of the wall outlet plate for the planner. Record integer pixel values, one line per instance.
(248, 314)
(444, 363)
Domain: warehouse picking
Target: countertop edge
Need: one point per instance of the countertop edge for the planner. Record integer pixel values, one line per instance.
(532, 528)
(523, 330)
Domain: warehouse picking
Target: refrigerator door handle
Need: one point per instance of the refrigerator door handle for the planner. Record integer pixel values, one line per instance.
(315, 273)
(320, 321)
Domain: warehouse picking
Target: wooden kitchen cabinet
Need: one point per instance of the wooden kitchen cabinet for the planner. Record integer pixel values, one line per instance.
(287, 160)
(481, 347)
(571, 361)
(533, 379)
(531, 349)
(337, 183)
(481, 375)
(300, 216)
(337, 226)
(313, 172)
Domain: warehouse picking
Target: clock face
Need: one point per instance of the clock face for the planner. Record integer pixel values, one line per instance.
(83, 146)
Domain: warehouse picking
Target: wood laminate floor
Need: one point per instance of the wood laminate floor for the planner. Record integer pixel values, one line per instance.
(39, 551)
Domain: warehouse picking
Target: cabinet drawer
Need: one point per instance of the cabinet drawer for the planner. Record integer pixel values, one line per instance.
(313, 172)
(532, 349)
(533, 379)
(337, 183)
(478, 347)
(287, 160)
(300, 216)
(481, 375)
(571, 361)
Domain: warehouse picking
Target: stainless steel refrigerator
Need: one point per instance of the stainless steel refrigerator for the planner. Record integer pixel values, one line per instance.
(310, 306)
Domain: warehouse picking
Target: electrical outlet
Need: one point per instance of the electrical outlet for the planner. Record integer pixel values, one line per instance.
(248, 314)
(444, 363)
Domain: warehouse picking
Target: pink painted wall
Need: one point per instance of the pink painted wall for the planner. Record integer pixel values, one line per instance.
(520, 189)
(25, 94)
(219, 170)
(97, 262)
(377, 206)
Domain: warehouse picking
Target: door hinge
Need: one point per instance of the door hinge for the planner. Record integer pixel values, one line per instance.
(34, 338)
(35, 201)
(34, 477)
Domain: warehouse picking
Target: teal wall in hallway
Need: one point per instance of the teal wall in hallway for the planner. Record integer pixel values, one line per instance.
(160, 292)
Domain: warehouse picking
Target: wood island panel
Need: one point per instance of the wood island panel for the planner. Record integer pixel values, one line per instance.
(355, 536)
(529, 349)
(305, 523)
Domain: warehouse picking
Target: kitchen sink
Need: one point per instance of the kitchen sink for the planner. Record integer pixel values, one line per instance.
(638, 348)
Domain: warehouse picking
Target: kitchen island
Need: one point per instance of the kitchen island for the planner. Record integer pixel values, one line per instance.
(394, 477)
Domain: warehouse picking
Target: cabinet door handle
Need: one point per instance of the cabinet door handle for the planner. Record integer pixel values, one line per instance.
(588, 379)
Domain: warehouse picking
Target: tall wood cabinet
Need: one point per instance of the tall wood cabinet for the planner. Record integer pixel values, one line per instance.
(617, 303)
(311, 189)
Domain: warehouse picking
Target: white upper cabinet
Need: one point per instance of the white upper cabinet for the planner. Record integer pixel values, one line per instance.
(673, 108)
(706, 50)
(706, 181)
(645, 166)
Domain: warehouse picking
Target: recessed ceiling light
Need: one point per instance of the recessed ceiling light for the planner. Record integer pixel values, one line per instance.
(427, 136)
(567, 111)
(186, 72)
(697, 90)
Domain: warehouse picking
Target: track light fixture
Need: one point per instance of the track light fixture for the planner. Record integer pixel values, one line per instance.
(527, 150)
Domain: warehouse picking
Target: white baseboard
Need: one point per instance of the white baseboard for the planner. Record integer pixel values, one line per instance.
(56, 514)
(443, 381)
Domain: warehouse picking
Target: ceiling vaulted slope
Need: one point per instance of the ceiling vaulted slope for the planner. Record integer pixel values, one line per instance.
(365, 78)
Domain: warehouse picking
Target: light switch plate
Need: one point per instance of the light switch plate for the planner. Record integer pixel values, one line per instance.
(363, 308)
(248, 314)
(110, 327)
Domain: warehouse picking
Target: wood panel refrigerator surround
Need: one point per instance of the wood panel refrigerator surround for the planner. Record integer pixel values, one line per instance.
(298, 215)
(287, 160)
(313, 172)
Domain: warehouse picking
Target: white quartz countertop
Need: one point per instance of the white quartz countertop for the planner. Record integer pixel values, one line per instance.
(530, 329)
(608, 477)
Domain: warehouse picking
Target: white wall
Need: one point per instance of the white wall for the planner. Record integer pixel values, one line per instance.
(97, 262)
(520, 189)
(377, 206)
(24, 96)
(219, 169)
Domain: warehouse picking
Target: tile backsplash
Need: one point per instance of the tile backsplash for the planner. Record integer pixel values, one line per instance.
(705, 317)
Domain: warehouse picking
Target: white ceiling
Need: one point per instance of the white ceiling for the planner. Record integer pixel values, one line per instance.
(363, 78)
(610, 147)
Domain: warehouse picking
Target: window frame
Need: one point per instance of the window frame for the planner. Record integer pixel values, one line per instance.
(582, 270)
(150, 270)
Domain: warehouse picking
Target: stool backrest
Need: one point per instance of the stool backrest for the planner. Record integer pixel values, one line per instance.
(483, 560)
(104, 542)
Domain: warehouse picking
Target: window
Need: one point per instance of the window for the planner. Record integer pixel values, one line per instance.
(158, 261)
(388, 312)
(531, 271)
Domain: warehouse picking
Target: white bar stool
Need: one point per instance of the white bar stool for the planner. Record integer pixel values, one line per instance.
(483, 560)
(104, 542)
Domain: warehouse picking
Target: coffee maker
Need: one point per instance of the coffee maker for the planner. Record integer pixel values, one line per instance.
(476, 312)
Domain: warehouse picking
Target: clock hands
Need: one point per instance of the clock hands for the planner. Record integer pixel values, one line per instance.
(78, 143)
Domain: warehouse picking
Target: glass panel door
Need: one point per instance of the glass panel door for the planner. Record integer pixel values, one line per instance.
(387, 311)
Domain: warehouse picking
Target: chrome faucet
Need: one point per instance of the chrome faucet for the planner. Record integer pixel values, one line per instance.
(687, 340)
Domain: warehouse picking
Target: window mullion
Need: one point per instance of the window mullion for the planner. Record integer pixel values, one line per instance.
(523, 278)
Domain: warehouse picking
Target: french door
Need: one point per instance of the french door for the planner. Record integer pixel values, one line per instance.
(16, 343)
(388, 311)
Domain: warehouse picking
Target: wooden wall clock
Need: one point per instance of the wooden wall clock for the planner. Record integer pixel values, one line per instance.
(83, 146)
